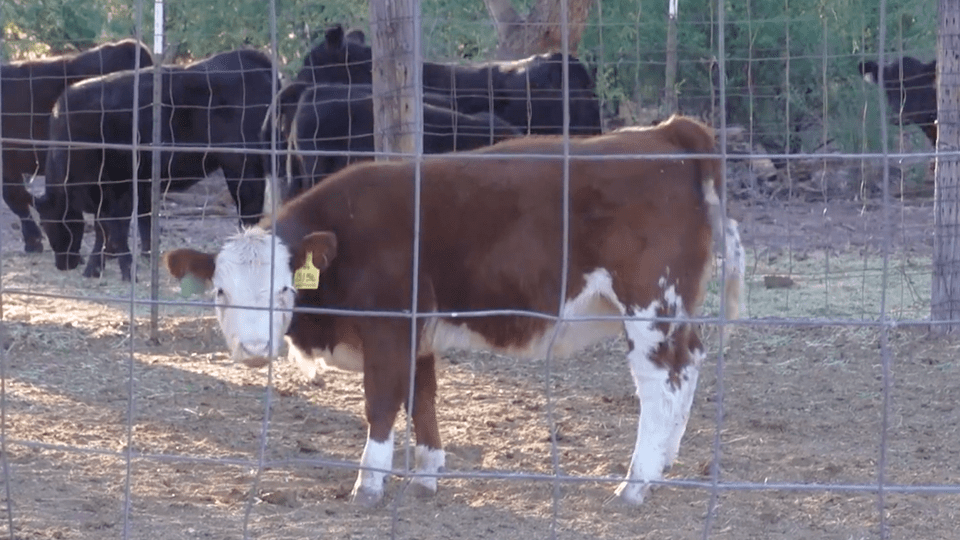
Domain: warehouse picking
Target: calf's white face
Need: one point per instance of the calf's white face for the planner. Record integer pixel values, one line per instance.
(245, 294)
(254, 286)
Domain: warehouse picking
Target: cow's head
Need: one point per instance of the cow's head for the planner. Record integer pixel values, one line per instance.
(340, 58)
(911, 89)
(254, 312)
(64, 228)
(123, 54)
(542, 76)
(109, 57)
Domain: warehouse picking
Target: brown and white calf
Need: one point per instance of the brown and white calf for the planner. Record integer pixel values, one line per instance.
(641, 235)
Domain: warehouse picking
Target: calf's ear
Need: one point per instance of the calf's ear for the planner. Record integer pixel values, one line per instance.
(181, 262)
(334, 37)
(357, 36)
(322, 247)
(192, 268)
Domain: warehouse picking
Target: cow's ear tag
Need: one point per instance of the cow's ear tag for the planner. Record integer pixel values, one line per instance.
(308, 275)
(191, 285)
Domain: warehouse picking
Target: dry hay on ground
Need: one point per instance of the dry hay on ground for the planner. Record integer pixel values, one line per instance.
(800, 405)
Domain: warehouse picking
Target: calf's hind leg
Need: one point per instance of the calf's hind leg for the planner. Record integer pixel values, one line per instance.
(665, 362)
(19, 200)
(96, 261)
(429, 456)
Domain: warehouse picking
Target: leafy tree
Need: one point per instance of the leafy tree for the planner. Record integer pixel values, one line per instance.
(790, 65)
(56, 26)
(540, 30)
(198, 29)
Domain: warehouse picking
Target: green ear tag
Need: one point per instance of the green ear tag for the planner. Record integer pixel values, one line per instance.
(308, 275)
(191, 285)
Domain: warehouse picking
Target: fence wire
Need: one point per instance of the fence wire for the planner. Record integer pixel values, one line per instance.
(829, 412)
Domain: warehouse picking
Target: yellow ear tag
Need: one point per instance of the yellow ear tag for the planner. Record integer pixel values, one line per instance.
(308, 275)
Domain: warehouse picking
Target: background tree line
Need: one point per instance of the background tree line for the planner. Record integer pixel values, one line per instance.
(790, 65)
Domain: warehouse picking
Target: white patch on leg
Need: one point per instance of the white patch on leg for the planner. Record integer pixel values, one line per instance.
(664, 407)
(429, 461)
(688, 387)
(377, 458)
(674, 303)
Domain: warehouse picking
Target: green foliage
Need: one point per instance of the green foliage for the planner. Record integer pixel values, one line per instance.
(198, 29)
(789, 65)
(61, 25)
(454, 31)
(193, 29)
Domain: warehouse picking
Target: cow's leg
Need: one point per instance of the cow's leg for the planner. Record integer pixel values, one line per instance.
(96, 261)
(385, 384)
(383, 404)
(144, 216)
(246, 183)
(665, 374)
(688, 387)
(144, 222)
(117, 245)
(17, 197)
(111, 240)
(429, 455)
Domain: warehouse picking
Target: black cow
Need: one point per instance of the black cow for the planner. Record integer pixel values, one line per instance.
(30, 88)
(911, 91)
(339, 118)
(527, 93)
(220, 102)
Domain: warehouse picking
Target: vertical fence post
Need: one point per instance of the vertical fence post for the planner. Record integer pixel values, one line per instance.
(155, 174)
(4, 463)
(670, 72)
(394, 117)
(945, 296)
(398, 127)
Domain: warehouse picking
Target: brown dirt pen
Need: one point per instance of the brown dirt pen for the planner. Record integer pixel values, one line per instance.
(802, 404)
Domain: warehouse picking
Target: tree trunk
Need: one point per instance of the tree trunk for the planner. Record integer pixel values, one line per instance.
(395, 76)
(540, 31)
(945, 296)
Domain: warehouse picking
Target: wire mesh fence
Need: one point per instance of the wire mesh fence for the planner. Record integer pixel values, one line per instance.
(829, 411)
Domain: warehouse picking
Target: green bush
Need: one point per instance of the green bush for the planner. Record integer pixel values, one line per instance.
(790, 65)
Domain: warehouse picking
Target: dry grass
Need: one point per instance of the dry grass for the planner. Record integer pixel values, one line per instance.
(801, 405)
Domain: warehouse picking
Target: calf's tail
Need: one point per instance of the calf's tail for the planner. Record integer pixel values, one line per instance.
(726, 242)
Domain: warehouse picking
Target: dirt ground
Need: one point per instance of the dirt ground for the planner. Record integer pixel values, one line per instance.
(801, 409)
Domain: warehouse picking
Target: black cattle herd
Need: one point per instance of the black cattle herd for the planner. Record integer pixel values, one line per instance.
(74, 118)
(71, 118)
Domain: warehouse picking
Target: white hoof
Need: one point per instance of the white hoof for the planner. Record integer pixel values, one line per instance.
(632, 493)
(366, 497)
(423, 488)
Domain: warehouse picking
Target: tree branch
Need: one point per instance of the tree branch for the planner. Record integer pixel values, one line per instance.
(540, 31)
(505, 17)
